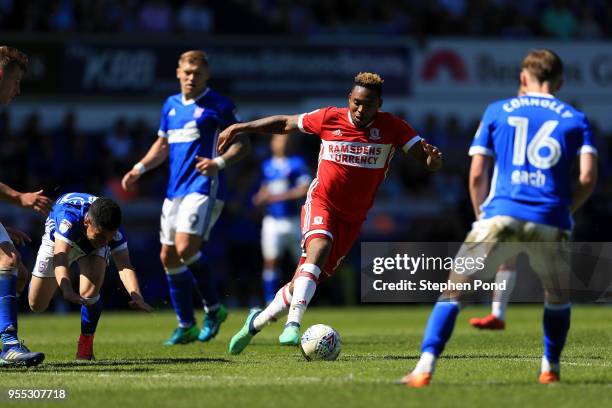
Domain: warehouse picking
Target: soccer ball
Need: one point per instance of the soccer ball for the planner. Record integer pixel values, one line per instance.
(320, 342)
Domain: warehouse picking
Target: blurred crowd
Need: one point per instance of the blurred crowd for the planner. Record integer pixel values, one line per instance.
(412, 205)
(561, 19)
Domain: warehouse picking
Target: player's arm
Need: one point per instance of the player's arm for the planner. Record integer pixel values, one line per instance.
(428, 155)
(157, 154)
(36, 200)
(587, 179)
(295, 193)
(479, 182)
(62, 273)
(270, 125)
(128, 277)
(240, 148)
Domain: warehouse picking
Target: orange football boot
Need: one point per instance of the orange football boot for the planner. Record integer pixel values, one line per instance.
(548, 377)
(489, 322)
(419, 380)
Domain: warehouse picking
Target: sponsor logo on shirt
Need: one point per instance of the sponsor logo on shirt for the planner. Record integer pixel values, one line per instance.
(355, 154)
(186, 134)
(64, 226)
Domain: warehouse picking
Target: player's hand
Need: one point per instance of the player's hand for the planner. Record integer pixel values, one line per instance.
(434, 155)
(129, 180)
(261, 198)
(138, 303)
(17, 236)
(206, 166)
(227, 137)
(36, 201)
(72, 297)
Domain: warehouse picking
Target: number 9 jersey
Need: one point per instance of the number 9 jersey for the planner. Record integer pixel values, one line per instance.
(534, 140)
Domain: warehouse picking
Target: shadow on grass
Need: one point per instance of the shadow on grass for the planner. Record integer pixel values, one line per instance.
(472, 357)
(85, 368)
(134, 362)
(116, 366)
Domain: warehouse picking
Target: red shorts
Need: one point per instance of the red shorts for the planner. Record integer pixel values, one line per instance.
(319, 222)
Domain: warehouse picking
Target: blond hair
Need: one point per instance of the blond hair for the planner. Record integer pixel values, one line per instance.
(369, 80)
(11, 57)
(194, 57)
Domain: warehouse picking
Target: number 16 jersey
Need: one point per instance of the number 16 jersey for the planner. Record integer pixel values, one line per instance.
(534, 140)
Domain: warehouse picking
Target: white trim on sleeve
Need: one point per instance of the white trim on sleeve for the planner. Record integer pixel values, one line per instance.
(120, 247)
(161, 133)
(301, 123)
(62, 238)
(587, 149)
(474, 150)
(411, 143)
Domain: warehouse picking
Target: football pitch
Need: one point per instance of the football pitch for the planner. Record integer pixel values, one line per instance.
(380, 344)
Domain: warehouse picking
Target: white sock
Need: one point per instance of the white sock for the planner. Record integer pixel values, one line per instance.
(548, 366)
(502, 297)
(304, 287)
(281, 302)
(426, 364)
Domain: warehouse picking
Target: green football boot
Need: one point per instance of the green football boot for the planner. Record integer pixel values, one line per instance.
(290, 335)
(212, 322)
(246, 333)
(183, 335)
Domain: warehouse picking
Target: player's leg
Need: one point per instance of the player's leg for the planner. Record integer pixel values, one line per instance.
(552, 264)
(180, 285)
(92, 269)
(271, 248)
(13, 353)
(481, 242)
(304, 285)
(179, 277)
(258, 319)
(197, 215)
(43, 284)
(496, 320)
(23, 277)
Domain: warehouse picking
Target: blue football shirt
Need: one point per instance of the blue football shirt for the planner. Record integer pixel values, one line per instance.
(281, 175)
(191, 127)
(65, 222)
(534, 139)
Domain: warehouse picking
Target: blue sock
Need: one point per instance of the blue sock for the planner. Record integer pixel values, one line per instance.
(556, 325)
(204, 279)
(90, 315)
(181, 295)
(8, 309)
(439, 327)
(270, 284)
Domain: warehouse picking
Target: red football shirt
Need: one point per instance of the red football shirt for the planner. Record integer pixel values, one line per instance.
(353, 161)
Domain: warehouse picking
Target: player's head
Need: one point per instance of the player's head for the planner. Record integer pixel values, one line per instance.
(192, 72)
(13, 64)
(365, 98)
(279, 145)
(102, 221)
(544, 68)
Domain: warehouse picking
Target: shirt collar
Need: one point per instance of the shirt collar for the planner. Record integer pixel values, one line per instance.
(190, 101)
(348, 111)
(540, 94)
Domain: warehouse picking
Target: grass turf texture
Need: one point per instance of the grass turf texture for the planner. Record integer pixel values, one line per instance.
(379, 345)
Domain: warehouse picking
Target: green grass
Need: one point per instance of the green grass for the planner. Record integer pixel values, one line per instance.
(379, 346)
